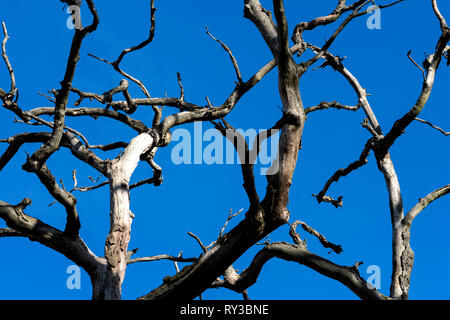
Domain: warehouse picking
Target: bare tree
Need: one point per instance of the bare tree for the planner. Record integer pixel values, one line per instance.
(213, 268)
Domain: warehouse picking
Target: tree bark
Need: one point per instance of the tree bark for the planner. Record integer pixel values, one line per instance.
(119, 173)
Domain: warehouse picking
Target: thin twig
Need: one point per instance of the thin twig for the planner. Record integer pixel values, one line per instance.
(433, 126)
(230, 216)
(176, 262)
(199, 241)
(233, 59)
(126, 75)
(161, 257)
(7, 62)
(143, 43)
(417, 65)
(181, 86)
(343, 172)
(322, 239)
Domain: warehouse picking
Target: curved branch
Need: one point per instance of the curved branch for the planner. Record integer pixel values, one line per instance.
(340, 9)
(336, 63)
(401, 251)
(233, 59)
(333, 37)
(47, 149)
(143, 43)
(350, 168)
(17, 141)
(433, 126)
(423, 203)
(431, 65)
(63, 197)
(13, 89)
(348, 276)
(74, 249)
(439, 16)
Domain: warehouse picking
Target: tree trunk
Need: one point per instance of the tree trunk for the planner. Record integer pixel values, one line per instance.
(107, 285)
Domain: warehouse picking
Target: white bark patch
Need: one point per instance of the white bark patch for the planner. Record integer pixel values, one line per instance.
(118, 238)
(130, 159)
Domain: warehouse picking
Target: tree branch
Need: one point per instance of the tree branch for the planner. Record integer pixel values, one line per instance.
(95, 113)
(327, 105)
(433, 126)
(423, 203)
(233, 59)
(350, 168)
(431, 65)
(161, 257)
(74, 249)
(144, 43)
(340, 9)
(262, 19)
(65, 198)
(8, 232)
(348, 276)
(441, 19)
(336, 248)
(284, 54)
(12, 91)
(46, 150)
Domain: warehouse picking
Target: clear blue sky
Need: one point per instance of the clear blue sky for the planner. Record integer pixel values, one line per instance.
(197, 198)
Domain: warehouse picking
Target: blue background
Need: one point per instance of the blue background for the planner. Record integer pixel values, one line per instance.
(197, 198)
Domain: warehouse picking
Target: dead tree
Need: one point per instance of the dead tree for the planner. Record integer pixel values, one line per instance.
(213, 268)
